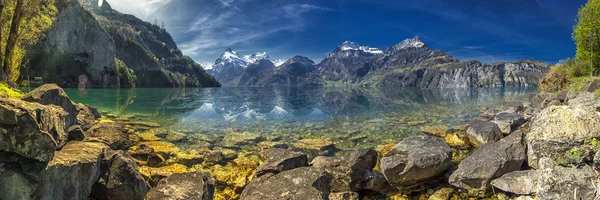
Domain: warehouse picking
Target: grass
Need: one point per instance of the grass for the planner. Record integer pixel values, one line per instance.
(6, 91)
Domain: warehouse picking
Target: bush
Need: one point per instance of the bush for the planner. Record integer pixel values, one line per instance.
(557, 79)
(576, 68)
(126, 76)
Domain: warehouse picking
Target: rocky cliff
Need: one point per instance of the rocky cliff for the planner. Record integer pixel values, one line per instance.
(112, 49)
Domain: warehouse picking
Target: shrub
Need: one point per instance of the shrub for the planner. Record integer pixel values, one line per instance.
(576, 68)
(557, 79)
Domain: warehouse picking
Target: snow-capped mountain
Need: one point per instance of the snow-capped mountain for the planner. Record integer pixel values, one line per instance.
(231, 65)
(353, 46)
(206, 65)
(278, 62)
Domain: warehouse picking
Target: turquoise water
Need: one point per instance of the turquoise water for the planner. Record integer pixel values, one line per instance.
(347, 116)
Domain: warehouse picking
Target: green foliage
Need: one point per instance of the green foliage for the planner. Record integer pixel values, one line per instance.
(6, 91)
(126, 76)
(562, 161)
(575, 154)
(588, 23)
(576, 68)
(592, 142)
(38, 16)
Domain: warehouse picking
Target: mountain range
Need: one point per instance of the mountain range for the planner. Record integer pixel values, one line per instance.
(409, 63)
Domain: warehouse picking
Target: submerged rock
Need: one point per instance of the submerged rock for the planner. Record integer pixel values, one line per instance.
(489, 162)
(482, 132)
(296, 184)
(415, 161)
(557, 129)
(351, 169)
(187, 186)
(72, 171)
(31, 129)
(277, 160)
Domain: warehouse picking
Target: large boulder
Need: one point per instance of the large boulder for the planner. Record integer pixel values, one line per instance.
(557, 129)
(277, 160)
(111, 133)
(15, 185)
(551, 181)
(518, 182)
(416, 160)
(482, 132)
(31, 129)
(351, 169)
(296, 184)
(120, 178)
(508, 121)
(72, 171)
(187, 186)
(51, 94)
(489, 162)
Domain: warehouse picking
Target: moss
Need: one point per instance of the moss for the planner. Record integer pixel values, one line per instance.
(127, 76)
(235, 176)
(6, 91)
(438, 130)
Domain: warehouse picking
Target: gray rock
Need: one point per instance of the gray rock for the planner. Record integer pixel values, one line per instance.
(120, 178)
(31, 129)
(508, 122)
(556, 182)
(296, 184)
(111, 133)
(557, 129)
(351, 169)
(490, 114)
(518, 182)
(415, 161)
(597, 161)
(72, 172)
(513, 106)
(524, 198)
(15, 186)
(592, 86)
(277, 160)
(585, 99)
(489, 162)
(51, 94)
(188, 186)
(482, 132)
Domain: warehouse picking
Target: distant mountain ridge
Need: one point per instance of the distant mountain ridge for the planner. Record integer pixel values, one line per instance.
(410, 63)
(231, 65)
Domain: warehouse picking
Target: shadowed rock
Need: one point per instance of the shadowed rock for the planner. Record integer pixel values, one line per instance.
(351, 169)
(415, 161)
(508, 121)
(119, 178)
(482, 132)
(112, 134)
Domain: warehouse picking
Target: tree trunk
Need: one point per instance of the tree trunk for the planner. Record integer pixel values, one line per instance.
(2, 75)
(12, 40)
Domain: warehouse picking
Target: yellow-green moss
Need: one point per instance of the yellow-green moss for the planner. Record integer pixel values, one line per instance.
(6, 91)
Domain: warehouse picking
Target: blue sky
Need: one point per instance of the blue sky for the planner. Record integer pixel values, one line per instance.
(489, 31)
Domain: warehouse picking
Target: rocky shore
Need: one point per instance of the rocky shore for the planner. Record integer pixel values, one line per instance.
(545, 148)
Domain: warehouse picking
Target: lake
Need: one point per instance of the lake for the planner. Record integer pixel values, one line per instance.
(347, 117)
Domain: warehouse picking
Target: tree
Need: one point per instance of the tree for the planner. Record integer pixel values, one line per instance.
(587, 24)
(23, 22)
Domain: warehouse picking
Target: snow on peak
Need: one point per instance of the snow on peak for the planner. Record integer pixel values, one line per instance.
(256, 57)
(353, 46)
(411, 42)
(278, 62)
(206, 65)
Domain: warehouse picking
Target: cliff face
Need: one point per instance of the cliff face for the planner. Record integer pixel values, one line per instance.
(113, 50)
(75, 45)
